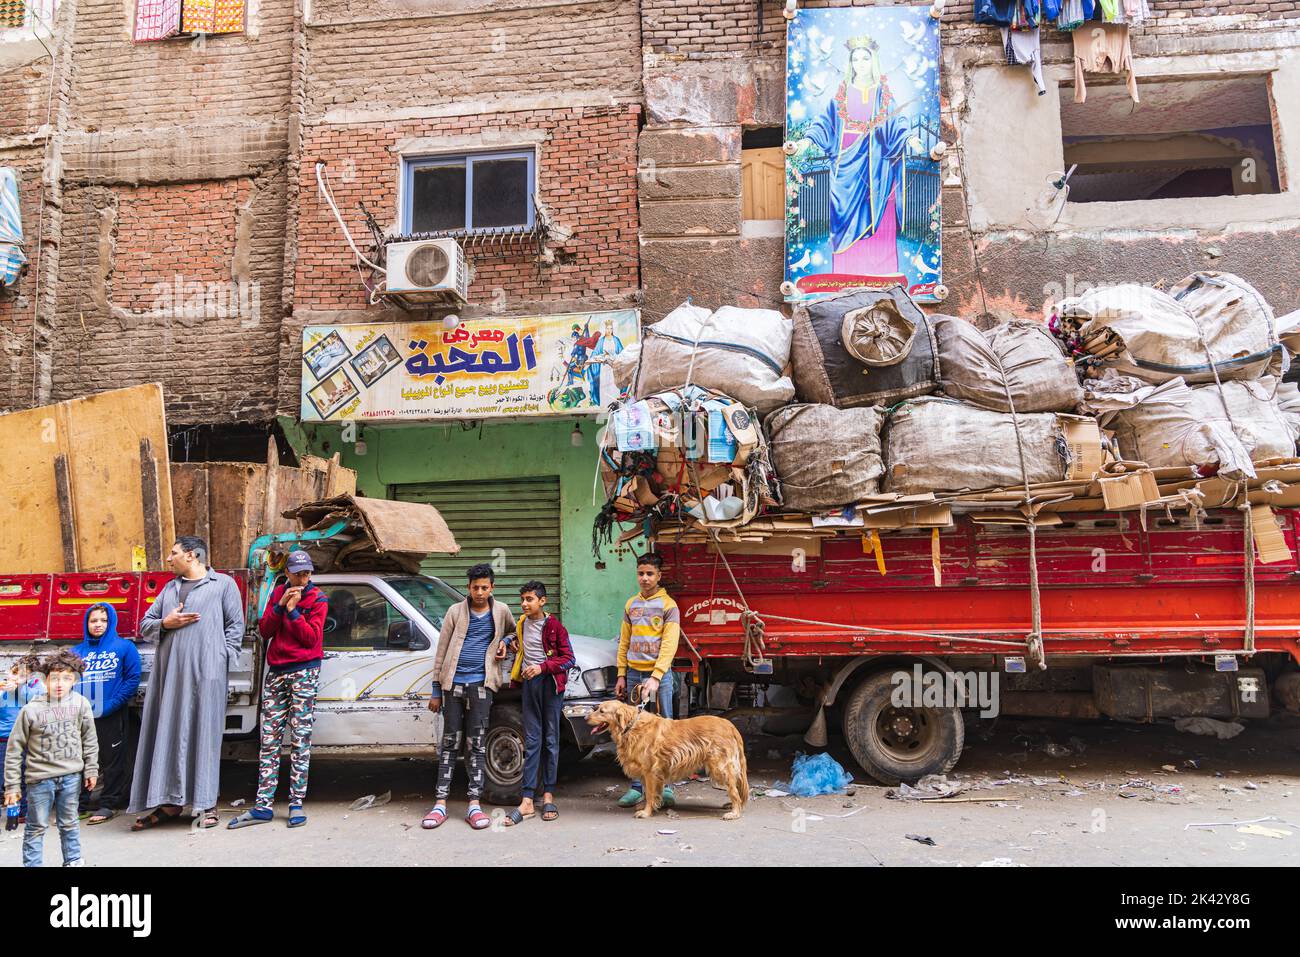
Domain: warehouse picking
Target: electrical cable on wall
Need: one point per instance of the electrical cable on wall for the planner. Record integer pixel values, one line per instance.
(329, 198)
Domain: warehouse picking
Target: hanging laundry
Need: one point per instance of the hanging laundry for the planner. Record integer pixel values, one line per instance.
(1135, 11)
(157, 19)
(1022, 49)
(12, 257)
(1103, 48)
(1006, 13)
(1111, 11)
(12, 13)
(1049, 10)
(1074, 13)
(213, 16)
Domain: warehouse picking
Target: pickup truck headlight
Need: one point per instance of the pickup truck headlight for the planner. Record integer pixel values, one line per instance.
(600, 680)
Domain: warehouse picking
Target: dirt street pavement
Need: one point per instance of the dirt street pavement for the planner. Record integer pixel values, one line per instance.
(1035, 792)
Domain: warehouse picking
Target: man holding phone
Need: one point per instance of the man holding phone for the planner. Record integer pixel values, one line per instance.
(466, 673)
(294, 628)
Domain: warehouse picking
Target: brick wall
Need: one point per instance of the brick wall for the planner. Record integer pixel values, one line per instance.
(171, 253)
(182, 230)
(721, 28)
(498, 53)
(586, 177)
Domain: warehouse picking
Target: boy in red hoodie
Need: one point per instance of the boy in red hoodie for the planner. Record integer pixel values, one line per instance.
(294, 628)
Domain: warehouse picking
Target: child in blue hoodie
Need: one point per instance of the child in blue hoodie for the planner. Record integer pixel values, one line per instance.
(109, 682)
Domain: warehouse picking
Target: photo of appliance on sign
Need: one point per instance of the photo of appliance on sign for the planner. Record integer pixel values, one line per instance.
(862, 191)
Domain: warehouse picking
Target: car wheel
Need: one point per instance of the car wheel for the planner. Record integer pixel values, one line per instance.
(504, 760)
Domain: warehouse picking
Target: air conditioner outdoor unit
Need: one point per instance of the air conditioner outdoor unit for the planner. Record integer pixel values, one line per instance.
(427, 269)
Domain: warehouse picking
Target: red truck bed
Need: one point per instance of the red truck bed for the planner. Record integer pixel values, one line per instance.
(52, 606)
(1108, 586)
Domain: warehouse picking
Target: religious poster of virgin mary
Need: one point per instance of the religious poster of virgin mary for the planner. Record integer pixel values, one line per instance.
(862, 115)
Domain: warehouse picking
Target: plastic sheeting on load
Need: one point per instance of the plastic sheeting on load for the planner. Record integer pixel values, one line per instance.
(1162, 332)
(825, 457)
(941, 445)
(739, 352)
(1038, 375)
(826, 372)
(1195, 429)
(12, 258)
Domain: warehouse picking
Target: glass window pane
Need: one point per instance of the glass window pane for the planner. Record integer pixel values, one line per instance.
(501, 192)
(437, 198)
(357, 618)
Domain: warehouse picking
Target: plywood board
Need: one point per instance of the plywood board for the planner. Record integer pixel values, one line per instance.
(100, 436)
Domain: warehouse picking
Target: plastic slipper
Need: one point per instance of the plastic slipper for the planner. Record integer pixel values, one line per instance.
(248, 818)
(549, 811)
(477, 819)
(434, 818)
(153, 819)
(514, 816)
(101, 817)
(296, 817)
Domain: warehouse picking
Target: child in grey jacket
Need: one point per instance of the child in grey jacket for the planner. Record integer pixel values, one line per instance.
(56, 733)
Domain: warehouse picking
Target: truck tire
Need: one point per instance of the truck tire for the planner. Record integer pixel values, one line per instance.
(900, 744)
(504, 761)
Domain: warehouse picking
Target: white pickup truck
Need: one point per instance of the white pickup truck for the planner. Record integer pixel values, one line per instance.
(381, 635)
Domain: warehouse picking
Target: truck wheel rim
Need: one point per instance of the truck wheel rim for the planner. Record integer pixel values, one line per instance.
(505, 755)
(905, 732)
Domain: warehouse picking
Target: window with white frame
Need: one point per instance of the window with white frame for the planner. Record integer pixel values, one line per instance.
(468, 191)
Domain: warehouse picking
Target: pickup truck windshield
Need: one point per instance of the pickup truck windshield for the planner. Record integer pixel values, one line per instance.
(429, 596)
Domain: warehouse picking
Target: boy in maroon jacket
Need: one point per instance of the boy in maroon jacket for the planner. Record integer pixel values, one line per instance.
(294, 628)
(543, 657)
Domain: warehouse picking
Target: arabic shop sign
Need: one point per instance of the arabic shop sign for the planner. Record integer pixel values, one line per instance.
(484, 368)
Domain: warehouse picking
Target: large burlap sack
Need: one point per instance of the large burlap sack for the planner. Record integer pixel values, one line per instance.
(1038, 374)
(739, 352)
(1199, 431)
(1162, 331)
(941, 445)
(884, 326)
(825, 457)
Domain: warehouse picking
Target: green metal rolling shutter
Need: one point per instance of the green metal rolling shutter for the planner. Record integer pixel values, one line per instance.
(519, 516)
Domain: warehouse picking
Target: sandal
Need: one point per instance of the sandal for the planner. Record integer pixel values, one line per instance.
(434, 818)
(101, 817)
(208, 819)
(477, 819)
(514, 816)
(296, 817)
(549, 811)
(154, 818)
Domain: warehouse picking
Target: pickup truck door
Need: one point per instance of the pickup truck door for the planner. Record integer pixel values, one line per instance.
(375, 673)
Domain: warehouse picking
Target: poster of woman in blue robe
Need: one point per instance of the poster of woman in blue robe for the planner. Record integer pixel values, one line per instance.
(862, 114)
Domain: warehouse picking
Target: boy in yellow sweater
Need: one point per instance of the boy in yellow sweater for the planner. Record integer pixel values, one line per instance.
(647, 643)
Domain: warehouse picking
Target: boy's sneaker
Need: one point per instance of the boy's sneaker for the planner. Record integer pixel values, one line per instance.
(77, 863)
(632, 798)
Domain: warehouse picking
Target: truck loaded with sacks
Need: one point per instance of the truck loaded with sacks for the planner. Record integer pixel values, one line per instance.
(892, 523)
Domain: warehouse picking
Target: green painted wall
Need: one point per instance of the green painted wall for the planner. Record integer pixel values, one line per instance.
(592, 598)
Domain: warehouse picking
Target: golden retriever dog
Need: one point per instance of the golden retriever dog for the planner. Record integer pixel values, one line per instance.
(659, 751)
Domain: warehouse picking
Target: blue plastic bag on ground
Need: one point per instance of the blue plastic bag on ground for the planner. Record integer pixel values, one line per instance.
(815, 774)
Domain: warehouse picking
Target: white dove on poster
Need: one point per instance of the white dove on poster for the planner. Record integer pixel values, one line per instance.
(912, 66)
(922, 265)
(803, 260)
(821, 49)
(914, 36)
(818, 82)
